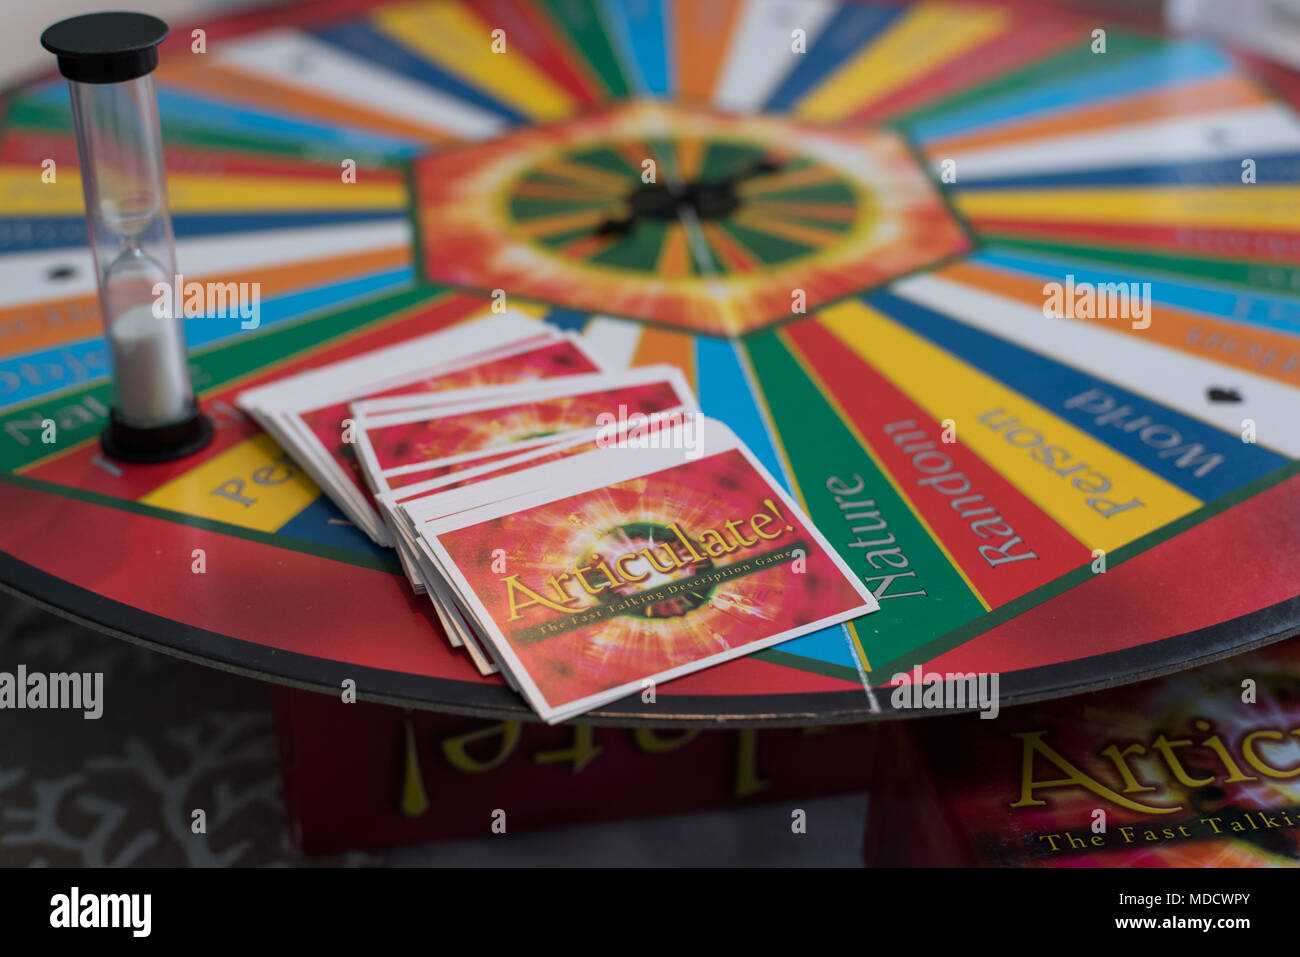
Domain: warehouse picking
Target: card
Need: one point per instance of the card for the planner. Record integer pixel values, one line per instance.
(454, 435)
(306, 413)
(645, 564)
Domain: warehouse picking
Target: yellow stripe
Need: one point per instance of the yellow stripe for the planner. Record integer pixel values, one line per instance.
(1264, 207)
(454, 38)
(949, 389)
(925, 38)
(534, 310)
(253, 485)
(22, 192)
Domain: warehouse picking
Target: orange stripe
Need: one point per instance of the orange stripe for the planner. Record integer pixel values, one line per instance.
(563, 222)
(663, 345)
(41, 325)
(701, 31)
(592, 178)
(583, 247)
(834, 212)
(268, 94)
(674, 258)
(635, 152)
(793, 179)
(690, 153)
(1187, 332)
(1192, 98)
(787, 229)
(732, 253)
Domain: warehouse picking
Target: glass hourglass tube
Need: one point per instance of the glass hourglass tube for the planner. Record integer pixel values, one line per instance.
(108, 60)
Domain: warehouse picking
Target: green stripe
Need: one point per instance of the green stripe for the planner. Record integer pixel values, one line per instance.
(530, 208)
(820, 448)
(411, 180)
(767, 248)
(578, 19)
(814, 665)
(837, 193)
(77, 412)
(1254, 275)
(274, 539)
(52, 119)
(1077, 60)
(639, 249)
(609, 159)
(723, 160)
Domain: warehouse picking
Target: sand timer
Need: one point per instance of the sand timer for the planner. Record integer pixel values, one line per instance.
(108, 59)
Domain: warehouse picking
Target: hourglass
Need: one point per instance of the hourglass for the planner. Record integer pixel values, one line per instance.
(108, 59)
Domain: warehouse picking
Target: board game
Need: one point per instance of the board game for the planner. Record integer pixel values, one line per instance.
(1006, 297)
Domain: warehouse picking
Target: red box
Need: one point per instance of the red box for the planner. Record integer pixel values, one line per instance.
(366, 776)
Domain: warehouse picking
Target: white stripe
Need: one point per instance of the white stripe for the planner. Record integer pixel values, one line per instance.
(23, 275)
(760, 56)
(1207, 136)
(612, 341)
(301, 61)
(1165, 375)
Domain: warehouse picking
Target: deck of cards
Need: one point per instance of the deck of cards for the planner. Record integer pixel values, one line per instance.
(584, 532)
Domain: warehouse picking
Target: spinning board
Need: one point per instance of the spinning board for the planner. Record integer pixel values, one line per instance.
(852, 218)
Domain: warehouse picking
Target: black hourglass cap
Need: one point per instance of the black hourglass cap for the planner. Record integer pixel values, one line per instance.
(106, 47)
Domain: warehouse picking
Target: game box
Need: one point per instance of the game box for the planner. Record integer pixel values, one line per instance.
(362, 776)
(1198, 769)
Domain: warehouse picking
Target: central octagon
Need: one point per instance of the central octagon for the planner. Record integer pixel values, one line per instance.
(710, 222)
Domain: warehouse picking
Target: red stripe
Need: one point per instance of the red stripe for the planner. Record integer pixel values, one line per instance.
(872, 403)
(532, 32)
(272, 596)
(1022, 43)
(1280, 79)
(1253, 245)
(1235, 563)
(280, 598)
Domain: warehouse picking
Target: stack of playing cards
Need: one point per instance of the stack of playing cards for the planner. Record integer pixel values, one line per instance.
(584, 532)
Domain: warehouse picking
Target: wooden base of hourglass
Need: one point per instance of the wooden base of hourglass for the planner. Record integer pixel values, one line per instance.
(162, 443)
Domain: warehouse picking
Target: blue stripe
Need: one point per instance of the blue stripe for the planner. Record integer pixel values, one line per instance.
(1282, 168)
(567, 319)
(639, 29)
(1051, 385)
(204, 331)
(843, 37)
(725, 395)
(190, 110)
(62, 232)
(1176, 63)
(381, 52)
(313, 524)
(1270, 311)
(32, 375)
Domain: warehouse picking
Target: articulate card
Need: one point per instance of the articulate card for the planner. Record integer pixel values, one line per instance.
(666, 567)
(444, 434)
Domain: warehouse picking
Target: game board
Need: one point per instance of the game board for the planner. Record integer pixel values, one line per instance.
(879, 198)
